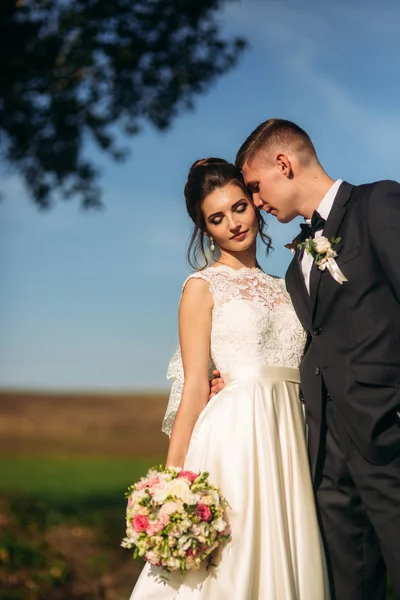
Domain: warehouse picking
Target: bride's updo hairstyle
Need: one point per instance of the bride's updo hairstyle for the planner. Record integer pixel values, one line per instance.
(206, 176)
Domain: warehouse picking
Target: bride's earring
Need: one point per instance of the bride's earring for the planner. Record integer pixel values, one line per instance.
(212, 245)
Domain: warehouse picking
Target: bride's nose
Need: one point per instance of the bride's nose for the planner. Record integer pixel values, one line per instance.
(234, 224)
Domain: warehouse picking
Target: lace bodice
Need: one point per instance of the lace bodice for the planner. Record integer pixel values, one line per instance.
(253, 323)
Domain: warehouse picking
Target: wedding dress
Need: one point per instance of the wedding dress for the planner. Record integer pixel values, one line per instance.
(251, 439)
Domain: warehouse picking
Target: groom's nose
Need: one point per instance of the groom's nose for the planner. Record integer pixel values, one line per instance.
(258, 203)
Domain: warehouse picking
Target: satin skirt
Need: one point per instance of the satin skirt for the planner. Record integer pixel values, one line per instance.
(251, 439)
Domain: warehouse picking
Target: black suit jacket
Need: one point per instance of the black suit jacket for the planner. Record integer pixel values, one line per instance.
(354, 329)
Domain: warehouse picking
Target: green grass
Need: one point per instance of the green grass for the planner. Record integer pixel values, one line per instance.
(91, 491)
(47, 497)
(70, 477)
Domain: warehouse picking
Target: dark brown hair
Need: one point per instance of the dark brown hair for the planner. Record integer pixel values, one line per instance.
(205, 176)
(275, 132)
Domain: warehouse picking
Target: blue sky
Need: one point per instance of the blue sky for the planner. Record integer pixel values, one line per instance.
(89, 300)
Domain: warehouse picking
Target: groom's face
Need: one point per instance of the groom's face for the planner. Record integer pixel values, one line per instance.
(272, 187)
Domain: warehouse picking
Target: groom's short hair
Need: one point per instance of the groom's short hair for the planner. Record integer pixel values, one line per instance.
(274, 134)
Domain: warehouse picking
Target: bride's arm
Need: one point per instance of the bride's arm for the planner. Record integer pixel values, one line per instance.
(194, 332)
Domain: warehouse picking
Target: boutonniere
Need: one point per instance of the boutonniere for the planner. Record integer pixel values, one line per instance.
(321, 249)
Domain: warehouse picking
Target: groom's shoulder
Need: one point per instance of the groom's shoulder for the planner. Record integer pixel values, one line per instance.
(376, 190)
(380, 186)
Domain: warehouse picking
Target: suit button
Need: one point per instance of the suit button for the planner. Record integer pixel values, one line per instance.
(317, 331)
(317, 371)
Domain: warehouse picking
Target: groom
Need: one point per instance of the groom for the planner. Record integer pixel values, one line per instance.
(350, 372)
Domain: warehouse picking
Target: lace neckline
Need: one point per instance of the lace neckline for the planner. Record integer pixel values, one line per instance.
(252, 270)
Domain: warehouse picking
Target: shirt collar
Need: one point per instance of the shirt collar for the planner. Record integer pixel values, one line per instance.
(327, 201)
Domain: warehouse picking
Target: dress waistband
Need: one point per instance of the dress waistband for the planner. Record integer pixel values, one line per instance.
(248, 373)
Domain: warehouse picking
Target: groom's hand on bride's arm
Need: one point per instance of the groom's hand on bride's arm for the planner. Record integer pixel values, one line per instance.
(216, 384)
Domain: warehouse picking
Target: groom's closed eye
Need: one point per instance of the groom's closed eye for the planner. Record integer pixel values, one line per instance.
(253, 188)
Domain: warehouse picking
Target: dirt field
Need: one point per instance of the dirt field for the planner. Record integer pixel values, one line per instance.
(44, 424)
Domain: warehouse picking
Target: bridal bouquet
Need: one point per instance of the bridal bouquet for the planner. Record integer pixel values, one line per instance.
(175, 519)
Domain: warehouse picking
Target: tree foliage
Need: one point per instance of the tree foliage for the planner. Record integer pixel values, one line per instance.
(71, 70)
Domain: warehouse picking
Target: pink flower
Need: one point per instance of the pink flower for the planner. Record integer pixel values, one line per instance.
(168, 508)
(188, 475)
(156, 526)
(147, 483)
(140, 523)
(203, 511)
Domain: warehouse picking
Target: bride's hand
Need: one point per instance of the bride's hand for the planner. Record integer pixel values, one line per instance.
(216, 384)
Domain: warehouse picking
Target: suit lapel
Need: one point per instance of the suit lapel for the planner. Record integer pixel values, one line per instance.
(330, 230)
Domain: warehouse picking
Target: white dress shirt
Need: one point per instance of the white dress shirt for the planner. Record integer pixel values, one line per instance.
(324, 209)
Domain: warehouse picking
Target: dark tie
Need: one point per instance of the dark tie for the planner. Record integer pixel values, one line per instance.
(309, 230)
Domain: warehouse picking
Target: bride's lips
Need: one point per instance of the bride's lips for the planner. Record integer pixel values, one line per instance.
(239, 237)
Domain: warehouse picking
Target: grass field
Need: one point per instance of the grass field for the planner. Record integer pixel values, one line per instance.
(65, 464)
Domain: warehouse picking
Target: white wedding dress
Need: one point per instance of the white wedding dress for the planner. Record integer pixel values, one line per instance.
(251, 439)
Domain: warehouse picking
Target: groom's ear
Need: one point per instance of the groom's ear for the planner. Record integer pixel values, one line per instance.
(284, 165)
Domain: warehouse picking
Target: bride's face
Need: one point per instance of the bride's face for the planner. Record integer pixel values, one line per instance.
(230, 218)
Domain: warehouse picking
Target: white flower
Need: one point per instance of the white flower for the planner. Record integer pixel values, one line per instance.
(186, 524)
(168, 508)
(139, 495)
(133, 536)
(176, 530)
(219, 525)
(210, 498)
(204, 529)
(172, 542)
(184, 542)
(173, 563)
(180, 489)
(322, 244)
(160, 495)
(331, 253)
(165, 477)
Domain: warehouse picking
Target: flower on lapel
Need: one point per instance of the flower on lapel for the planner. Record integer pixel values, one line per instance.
(323, 246)
(321, 249)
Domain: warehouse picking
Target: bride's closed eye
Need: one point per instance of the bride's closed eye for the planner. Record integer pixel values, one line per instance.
(241, 208)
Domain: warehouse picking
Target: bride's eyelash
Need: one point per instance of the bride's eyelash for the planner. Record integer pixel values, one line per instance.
(240, 209)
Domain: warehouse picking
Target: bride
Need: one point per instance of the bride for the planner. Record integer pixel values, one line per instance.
(250, 437)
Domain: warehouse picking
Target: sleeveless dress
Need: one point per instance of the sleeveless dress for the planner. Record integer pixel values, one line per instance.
(251, 439)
